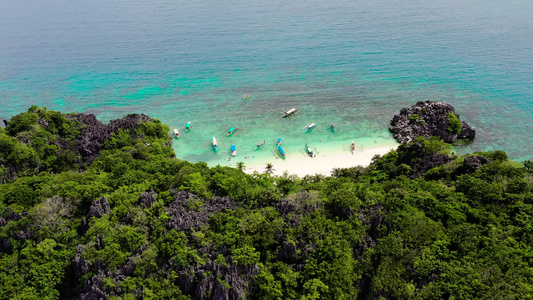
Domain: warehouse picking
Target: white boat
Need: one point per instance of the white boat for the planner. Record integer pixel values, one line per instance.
(309, 150)
(311, 126)
(215, 144)
(353, 147)
(261, 143)
(289, 112)
(176, 133)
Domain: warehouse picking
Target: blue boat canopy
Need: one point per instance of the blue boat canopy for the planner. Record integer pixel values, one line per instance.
(232, 148)
(281, 150)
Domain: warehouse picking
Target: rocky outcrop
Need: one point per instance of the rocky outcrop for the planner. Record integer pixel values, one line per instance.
(472, 163)
(190, 212)
(99, 208)
(288, 253)
(147, 198)
(228, 281)
(427, 119)
(95, 133)
(80, 265)
(429, 162)
(79, 138)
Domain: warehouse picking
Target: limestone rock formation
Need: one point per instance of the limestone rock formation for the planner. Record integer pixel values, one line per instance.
(188, 211)
(99, 208)
(95, 133)
(427, 119)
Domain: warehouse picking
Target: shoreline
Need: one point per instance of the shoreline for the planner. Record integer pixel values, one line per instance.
(322, 164)
(329, 156)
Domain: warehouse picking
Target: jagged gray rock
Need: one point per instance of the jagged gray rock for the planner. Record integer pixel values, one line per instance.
(185, 212)
(427, 119)
(93, 136)
(238, 277)
(86, 146)
(80, 265)
(147, 198)
(99, 208)
(472, 163)
(288, 252)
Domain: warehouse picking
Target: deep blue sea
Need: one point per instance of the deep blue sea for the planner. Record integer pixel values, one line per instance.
(352, 63)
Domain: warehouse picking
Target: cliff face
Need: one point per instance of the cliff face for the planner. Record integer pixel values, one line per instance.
(427, 119)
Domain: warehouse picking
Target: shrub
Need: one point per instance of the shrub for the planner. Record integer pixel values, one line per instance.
(454, 125)
(416, 119)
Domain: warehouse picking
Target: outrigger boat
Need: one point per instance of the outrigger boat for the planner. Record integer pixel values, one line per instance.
(289, 112)
(215, 144)
(245, 97)
(353, 147)
(311, 126)
(232, 130)
(188, 126)
(332, 127)
(233, 150)
(281, 152)
(278, 143)
(261, 143)
(176, 133)
(309, 151)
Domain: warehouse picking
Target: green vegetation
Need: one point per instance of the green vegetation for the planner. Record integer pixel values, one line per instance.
(28, 148)
(416, 119)
(418, 223)
(454, 125)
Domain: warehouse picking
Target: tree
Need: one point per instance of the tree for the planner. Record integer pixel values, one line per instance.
(240, 166)
(269, 169)
(528, 165)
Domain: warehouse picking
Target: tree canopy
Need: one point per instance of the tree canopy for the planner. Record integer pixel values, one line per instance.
(134, 222)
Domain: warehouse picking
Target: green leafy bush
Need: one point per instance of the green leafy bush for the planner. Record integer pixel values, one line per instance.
(454, 125)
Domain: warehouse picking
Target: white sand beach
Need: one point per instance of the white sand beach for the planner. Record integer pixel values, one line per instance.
(323, 163)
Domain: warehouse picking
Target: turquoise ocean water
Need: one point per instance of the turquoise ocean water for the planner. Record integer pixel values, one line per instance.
(351, 63)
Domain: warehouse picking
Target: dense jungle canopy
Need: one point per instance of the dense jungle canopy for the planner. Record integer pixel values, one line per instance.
(105, 211)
